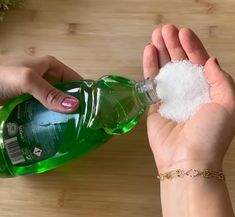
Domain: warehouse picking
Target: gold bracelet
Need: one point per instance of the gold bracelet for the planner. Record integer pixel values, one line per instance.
(191, 173)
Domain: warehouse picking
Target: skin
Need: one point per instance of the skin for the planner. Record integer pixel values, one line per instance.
(199, 143)
(34, 75)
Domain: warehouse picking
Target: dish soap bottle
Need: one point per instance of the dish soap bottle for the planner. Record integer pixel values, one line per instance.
(34, 139)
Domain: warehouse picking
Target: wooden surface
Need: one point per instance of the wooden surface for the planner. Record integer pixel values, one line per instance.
(97, 37)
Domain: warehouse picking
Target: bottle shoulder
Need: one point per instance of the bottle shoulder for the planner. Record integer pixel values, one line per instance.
(117, 109)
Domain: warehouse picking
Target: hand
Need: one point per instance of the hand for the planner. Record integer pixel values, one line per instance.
(33, 75)
(202, 141)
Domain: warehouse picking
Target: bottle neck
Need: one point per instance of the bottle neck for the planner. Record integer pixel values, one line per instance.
(147, 91)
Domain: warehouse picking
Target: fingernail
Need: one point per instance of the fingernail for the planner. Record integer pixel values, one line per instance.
(69, 102)
(217, 62)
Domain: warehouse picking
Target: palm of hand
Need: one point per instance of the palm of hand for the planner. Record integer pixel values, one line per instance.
(203, 140)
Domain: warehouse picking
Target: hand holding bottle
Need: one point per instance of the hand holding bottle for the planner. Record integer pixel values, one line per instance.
(33, 75)
(35, 139)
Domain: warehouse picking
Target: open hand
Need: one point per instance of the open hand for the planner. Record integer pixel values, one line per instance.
(202, 141)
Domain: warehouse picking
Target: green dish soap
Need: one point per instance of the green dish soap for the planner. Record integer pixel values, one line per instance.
(34, 139)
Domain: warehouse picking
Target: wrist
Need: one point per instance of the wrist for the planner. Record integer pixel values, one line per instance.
(189, 184)
(216, 165)
(192, 173)
(198, 196)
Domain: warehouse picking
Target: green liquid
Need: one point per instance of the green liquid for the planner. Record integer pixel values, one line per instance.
(34, 139)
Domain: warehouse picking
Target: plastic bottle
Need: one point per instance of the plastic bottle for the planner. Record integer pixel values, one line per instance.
(34, 139)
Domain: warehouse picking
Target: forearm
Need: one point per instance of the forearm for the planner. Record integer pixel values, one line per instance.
(194, 197)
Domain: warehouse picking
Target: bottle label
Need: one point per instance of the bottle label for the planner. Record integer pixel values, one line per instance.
(33, 133)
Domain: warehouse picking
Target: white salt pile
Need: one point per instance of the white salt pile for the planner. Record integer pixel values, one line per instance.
(182, 89)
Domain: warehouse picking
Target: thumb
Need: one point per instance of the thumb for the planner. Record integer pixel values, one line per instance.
(222, 88)
(213, 72)
(49, 96)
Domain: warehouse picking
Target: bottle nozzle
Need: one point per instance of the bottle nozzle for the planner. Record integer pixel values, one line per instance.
(147, 91)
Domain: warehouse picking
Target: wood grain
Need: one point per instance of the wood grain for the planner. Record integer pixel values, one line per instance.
(97, 37)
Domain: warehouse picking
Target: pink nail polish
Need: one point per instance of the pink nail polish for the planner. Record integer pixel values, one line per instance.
(69, 102)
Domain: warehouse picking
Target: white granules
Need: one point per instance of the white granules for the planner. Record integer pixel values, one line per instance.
(182, 89)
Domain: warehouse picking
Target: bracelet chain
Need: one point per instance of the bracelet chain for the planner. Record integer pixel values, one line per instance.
(191, 173)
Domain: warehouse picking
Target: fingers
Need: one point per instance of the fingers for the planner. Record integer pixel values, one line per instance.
(167, 43)
(158, 42)
(193, 47)
(67, 73)
(171, 39)
(49, 96)
(56, 71)
(213, 72)
(47, 66)
(168, 48)
(174, 44)
(222, 87)
(150, 61)
(150, 67)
